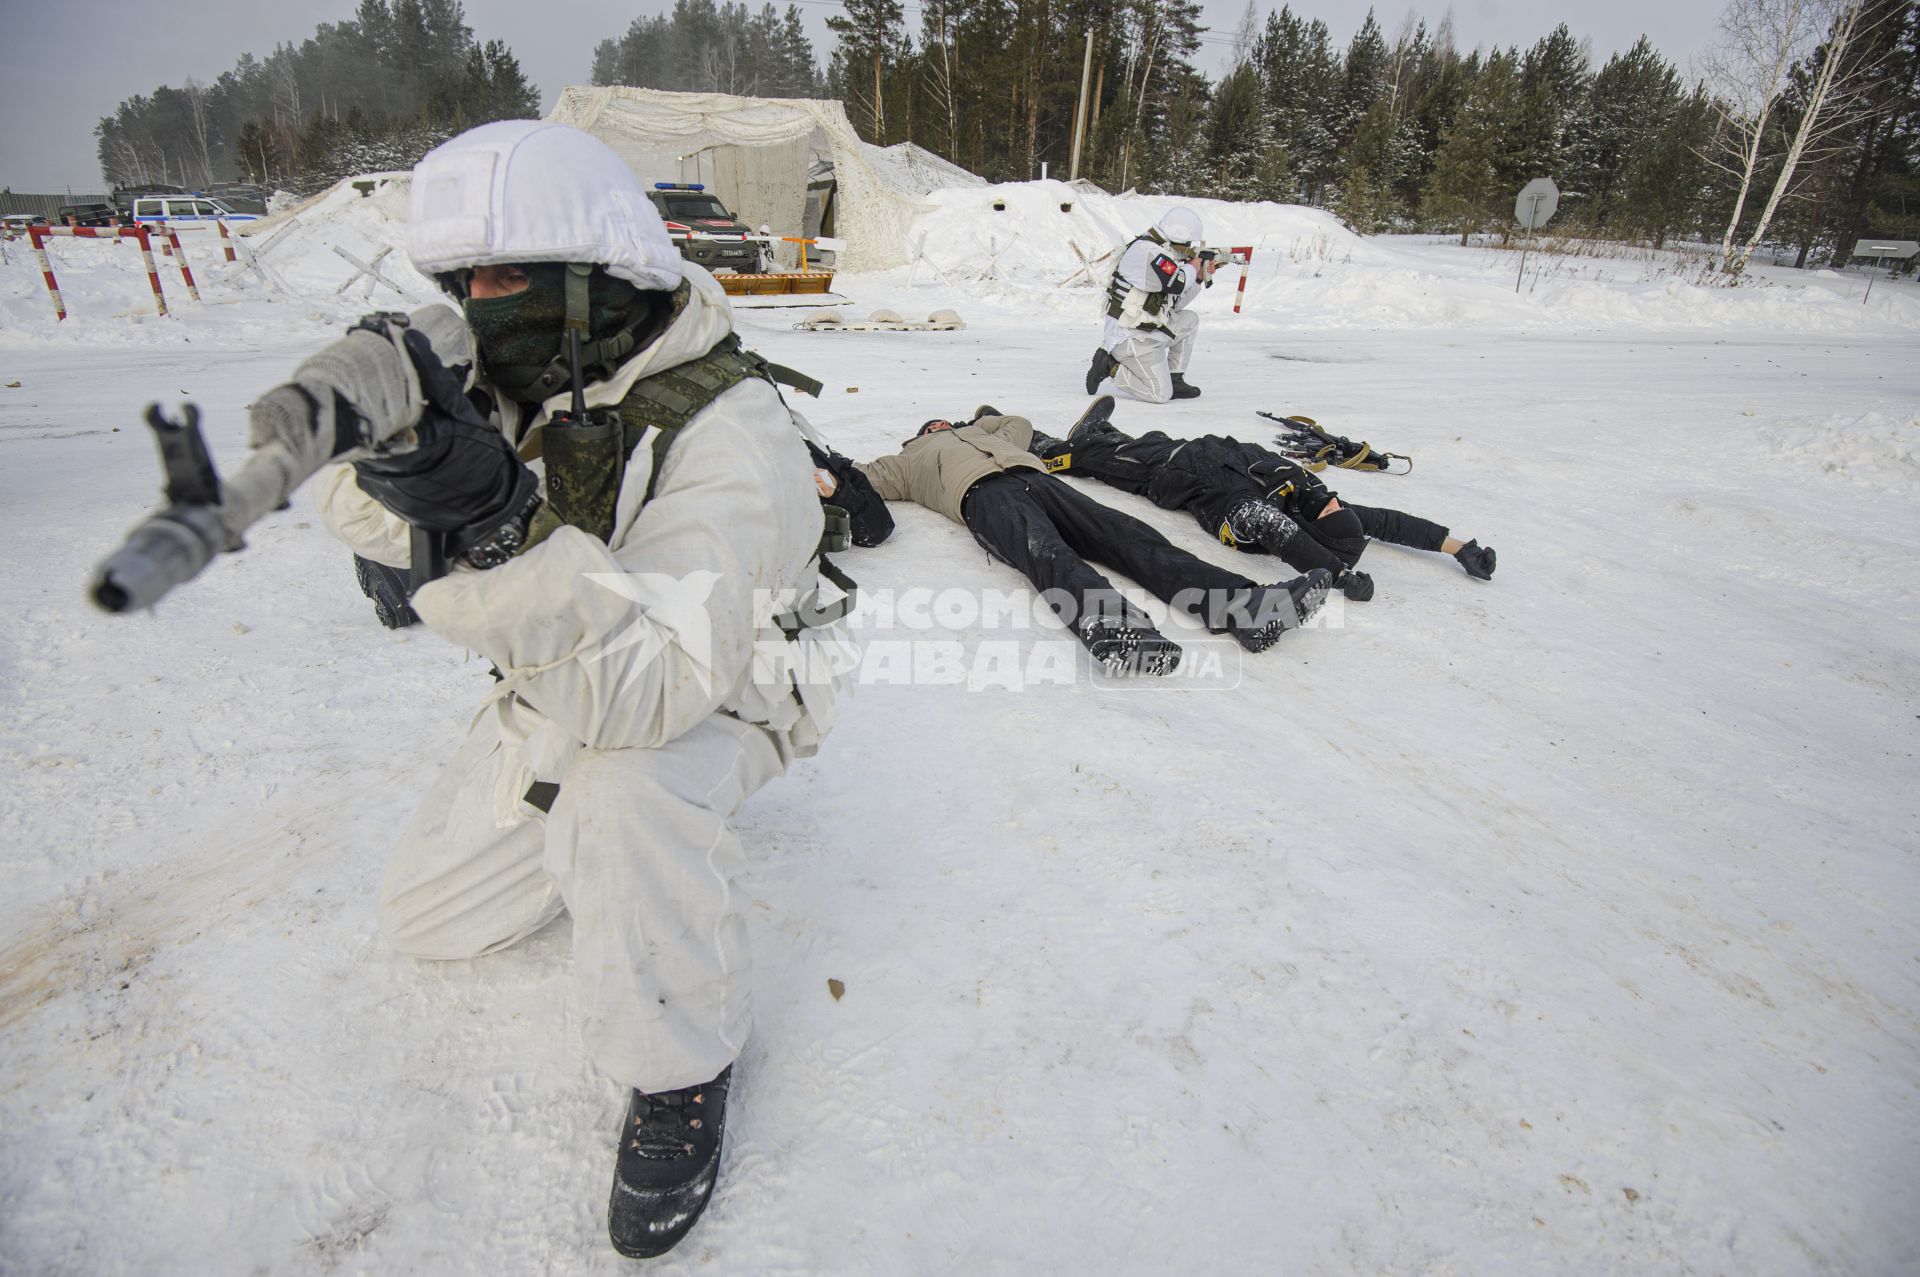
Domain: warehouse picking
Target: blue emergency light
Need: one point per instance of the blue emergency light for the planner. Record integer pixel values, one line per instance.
(679, 186)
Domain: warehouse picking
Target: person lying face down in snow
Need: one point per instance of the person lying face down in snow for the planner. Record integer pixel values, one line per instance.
(1146, 340)
(618, 591)
(981, 474)
(1249, 497)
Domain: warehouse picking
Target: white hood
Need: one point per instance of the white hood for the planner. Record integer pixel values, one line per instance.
(531, 191)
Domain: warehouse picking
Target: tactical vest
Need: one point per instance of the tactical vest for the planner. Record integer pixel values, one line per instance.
(1118, 290)
(586, 464)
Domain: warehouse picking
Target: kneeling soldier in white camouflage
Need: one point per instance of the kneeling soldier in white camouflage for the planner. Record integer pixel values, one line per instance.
(628, 594)
(1147, 340)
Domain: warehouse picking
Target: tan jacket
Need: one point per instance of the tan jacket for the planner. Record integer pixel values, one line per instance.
(936, 469)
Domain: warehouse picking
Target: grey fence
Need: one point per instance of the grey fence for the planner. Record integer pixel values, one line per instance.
(47, 206)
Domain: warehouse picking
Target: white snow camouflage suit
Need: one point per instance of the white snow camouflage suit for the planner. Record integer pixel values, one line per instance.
(1151, 347)
(643, 676)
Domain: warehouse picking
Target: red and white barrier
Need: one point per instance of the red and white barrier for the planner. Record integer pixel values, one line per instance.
(226, 240)
(41, 234)
(180, 256)
(1240, 257)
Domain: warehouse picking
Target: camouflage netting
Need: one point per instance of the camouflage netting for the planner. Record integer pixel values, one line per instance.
(754, 153)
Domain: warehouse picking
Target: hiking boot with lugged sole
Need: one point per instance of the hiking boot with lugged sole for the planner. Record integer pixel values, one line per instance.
(1124, 650)
(669, 1157)
(1268, 611)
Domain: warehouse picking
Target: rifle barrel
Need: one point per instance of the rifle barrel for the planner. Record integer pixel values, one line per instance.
(172, 547)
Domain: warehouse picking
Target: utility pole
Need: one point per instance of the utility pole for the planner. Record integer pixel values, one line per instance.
(1080, 109)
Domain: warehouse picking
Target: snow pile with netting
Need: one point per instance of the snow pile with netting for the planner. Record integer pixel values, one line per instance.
(1560, 923)
(914, 170)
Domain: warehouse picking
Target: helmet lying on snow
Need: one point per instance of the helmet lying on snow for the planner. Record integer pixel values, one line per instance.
(565, 208)
(1178, 225)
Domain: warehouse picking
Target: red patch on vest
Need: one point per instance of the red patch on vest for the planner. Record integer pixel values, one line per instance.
(1165, 267)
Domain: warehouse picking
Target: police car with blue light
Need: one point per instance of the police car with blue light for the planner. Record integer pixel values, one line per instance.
(703, 230)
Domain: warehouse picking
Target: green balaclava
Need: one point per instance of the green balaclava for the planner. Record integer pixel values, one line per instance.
(521, 333)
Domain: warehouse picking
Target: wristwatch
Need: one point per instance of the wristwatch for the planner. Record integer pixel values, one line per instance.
(505, 541)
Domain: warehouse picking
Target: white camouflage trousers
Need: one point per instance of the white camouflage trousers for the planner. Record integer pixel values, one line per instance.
(638, 848)
(1149, 357)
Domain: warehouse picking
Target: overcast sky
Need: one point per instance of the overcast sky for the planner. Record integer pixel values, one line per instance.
(64, 66)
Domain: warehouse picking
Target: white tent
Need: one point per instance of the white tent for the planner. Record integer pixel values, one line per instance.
(754, 154)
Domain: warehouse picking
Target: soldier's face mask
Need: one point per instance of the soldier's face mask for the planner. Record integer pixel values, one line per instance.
(521, 328)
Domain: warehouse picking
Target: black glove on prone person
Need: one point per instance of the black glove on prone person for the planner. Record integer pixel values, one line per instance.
(464, 481)
(1357, 586)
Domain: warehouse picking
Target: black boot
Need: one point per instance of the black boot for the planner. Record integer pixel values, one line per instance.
(1092, 419)
(1183, 390)
(1126, 647)
(1477, 559)
(1103, 365)
(669, 1157)
(387, 587)
(1045, 446)
(1266, 612)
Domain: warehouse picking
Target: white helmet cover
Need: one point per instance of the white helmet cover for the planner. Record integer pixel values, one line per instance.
(1178, 225)
(531, 191)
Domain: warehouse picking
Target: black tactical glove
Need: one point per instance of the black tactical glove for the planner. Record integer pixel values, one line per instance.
(1477, 559)
(463, 481)
(1357, 586)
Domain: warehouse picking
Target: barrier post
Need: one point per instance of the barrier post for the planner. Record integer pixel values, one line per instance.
(46, 272)
(1243, 256)
(226, 241)
(180, 256)
(144, 236)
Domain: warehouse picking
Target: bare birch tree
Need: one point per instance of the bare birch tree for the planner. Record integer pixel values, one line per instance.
(196, 95)
(940, 74)
(1826, 112)
(1748, 70)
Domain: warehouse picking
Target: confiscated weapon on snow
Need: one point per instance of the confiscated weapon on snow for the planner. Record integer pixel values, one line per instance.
(365, 384)
(1316, 449)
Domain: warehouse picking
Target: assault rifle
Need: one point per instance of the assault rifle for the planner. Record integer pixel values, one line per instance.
(366, 383)
(1315, 449)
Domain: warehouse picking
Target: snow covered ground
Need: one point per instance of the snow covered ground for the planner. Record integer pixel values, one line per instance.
(1559, 923)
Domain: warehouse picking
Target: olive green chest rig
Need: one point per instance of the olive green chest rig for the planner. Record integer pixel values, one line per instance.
(587, 461)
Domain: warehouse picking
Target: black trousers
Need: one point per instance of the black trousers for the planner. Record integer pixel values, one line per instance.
(1049, 531)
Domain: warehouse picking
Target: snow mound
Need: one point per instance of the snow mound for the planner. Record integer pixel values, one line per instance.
(314, 250)
(1873, 448)
(1045, 242)
(1034, 236)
